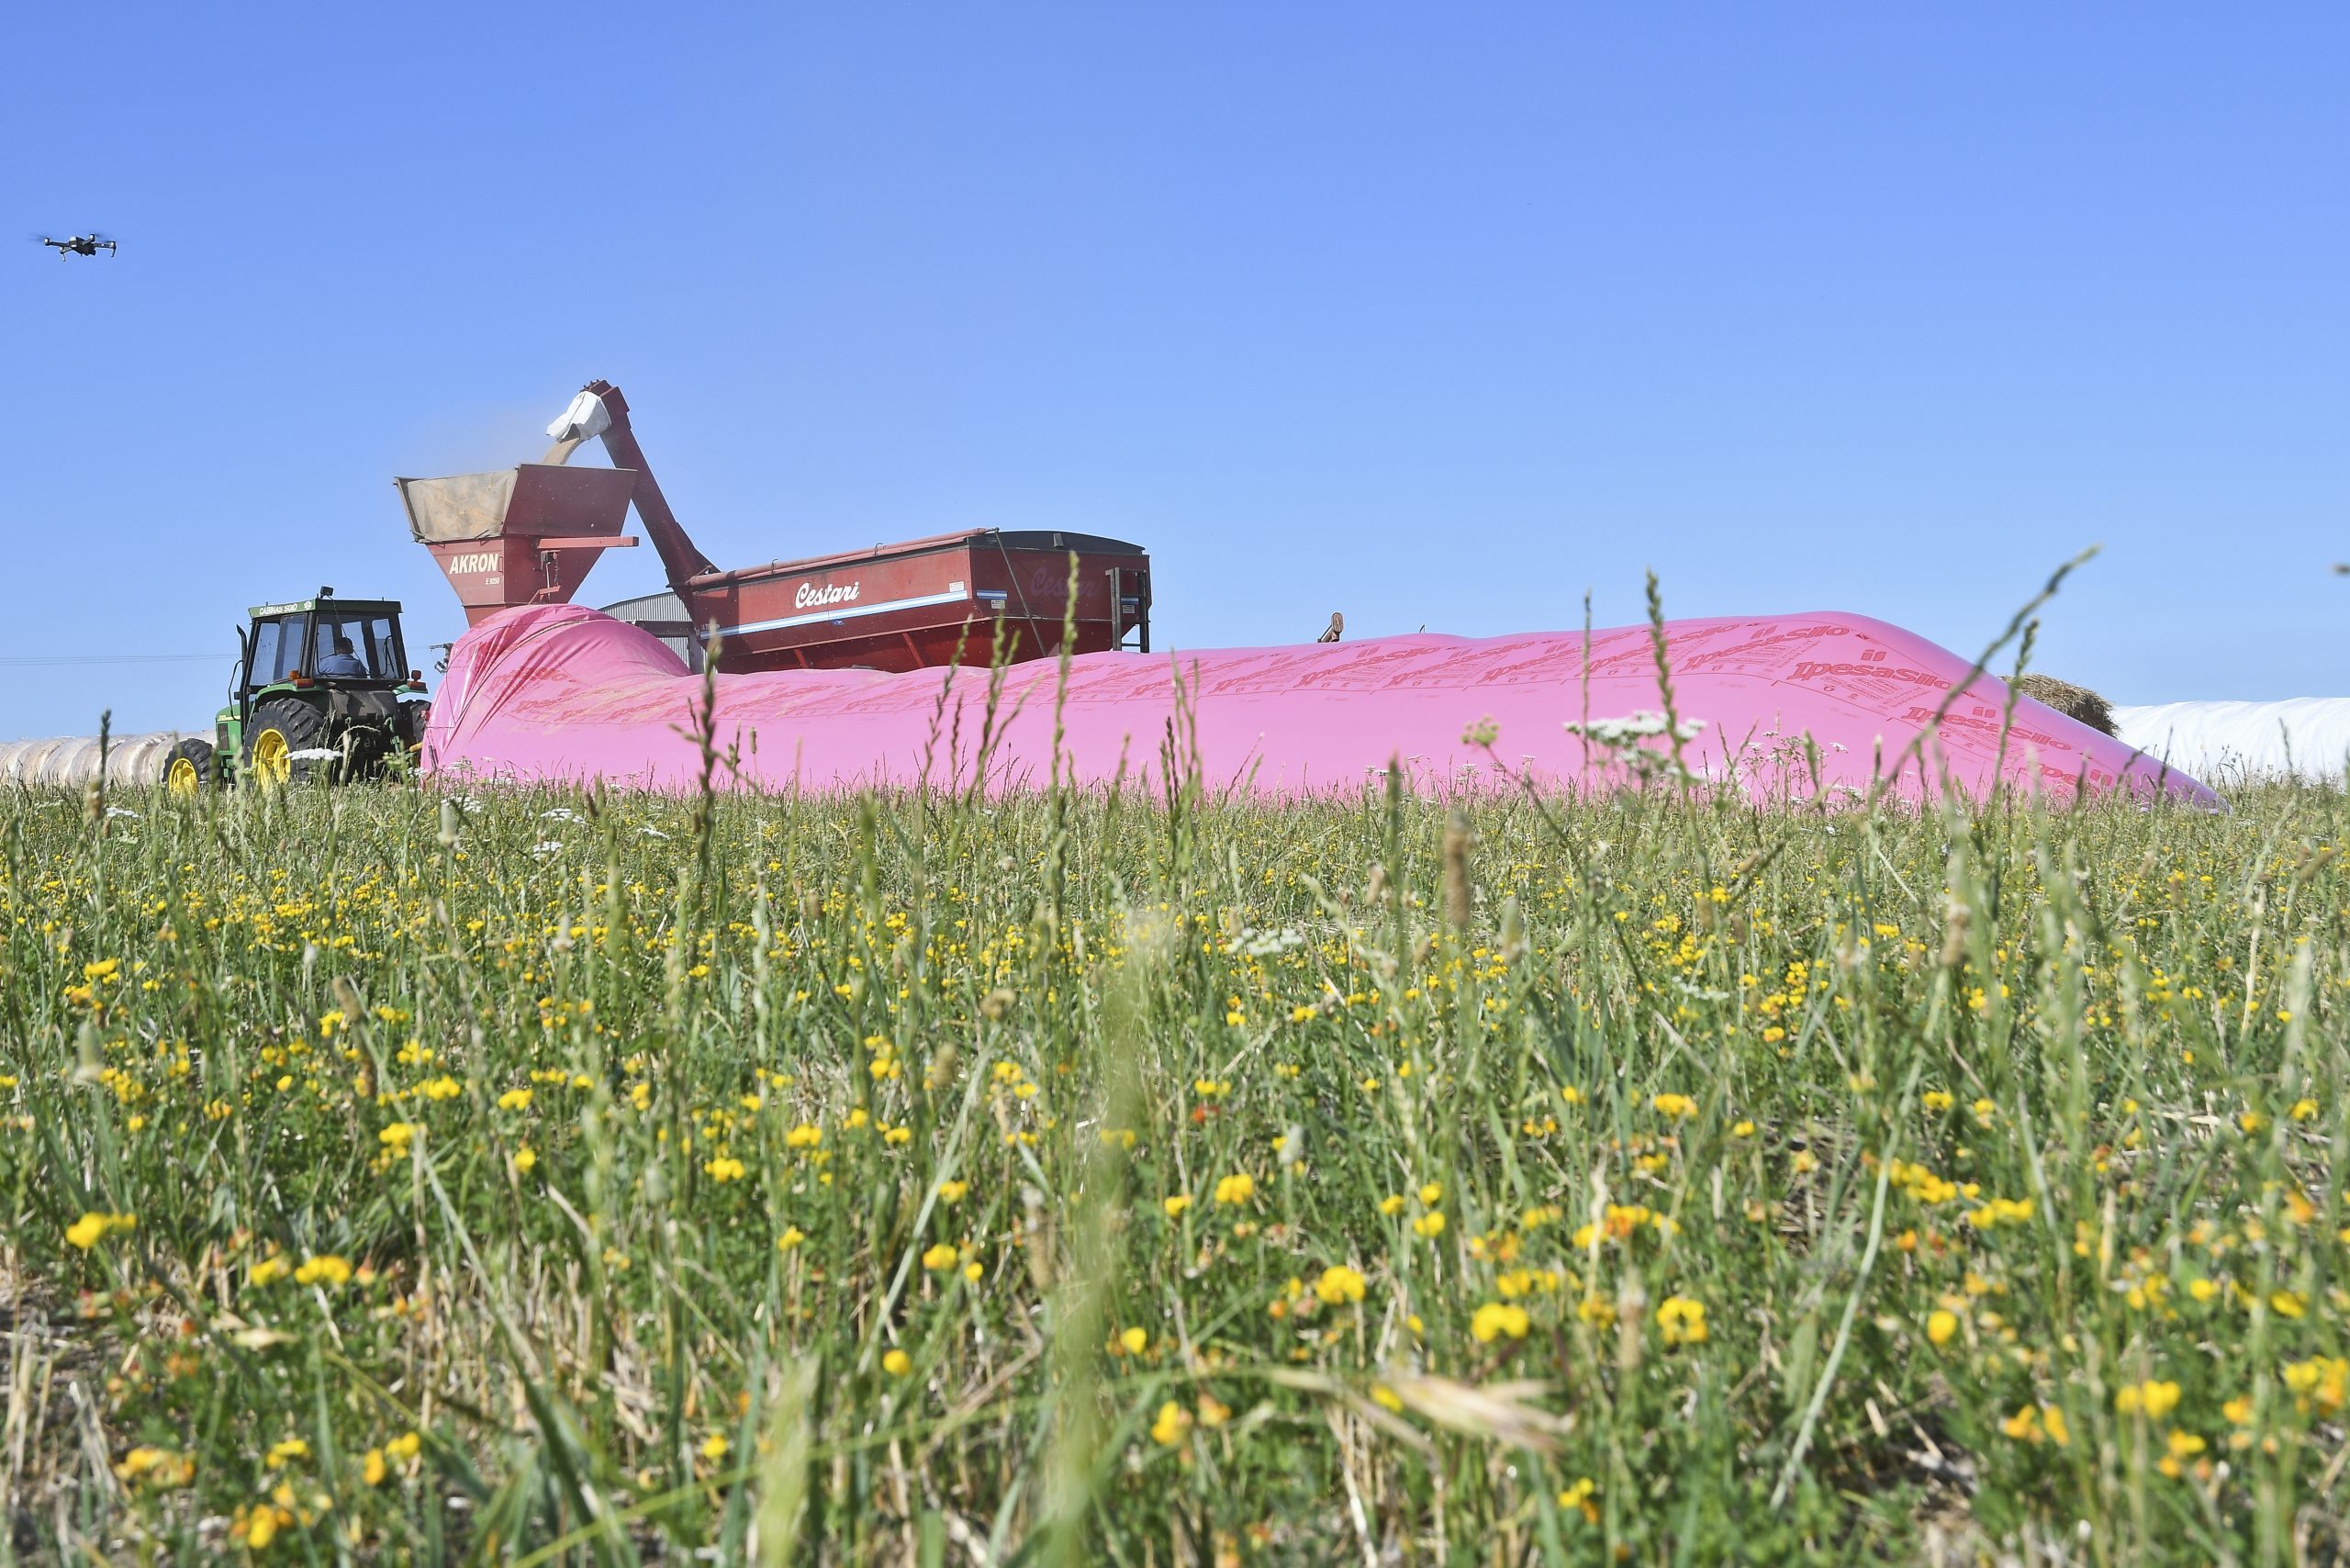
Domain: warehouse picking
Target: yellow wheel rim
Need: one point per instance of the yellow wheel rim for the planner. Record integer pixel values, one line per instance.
(273, 761)
(182, 778)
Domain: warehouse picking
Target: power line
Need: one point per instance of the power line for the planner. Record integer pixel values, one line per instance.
(19, 660)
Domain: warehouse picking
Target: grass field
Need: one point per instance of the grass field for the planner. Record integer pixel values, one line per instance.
(1087, 1181)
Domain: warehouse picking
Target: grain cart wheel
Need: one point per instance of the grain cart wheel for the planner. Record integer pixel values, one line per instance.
(281, 731)
(188, 770)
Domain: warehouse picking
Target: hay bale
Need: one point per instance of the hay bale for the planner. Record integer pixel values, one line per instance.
(2073, 701)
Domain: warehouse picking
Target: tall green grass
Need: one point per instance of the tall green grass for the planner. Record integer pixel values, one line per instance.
(550, 1177)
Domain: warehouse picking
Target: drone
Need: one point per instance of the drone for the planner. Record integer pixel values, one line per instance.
(80, 245)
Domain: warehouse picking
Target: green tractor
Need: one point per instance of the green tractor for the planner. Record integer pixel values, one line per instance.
(322, 689)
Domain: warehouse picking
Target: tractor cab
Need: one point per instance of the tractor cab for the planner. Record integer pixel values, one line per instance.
(322, 688)
(334, 644)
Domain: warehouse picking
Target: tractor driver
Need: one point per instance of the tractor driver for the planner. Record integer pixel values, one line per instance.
(343, 661)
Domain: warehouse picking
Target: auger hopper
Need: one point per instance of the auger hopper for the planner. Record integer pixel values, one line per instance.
(521, 535)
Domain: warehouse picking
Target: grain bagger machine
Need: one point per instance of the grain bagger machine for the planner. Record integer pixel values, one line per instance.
(845, 661)
(528, 534)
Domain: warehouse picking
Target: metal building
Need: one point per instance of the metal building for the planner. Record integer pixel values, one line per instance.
(664, 615)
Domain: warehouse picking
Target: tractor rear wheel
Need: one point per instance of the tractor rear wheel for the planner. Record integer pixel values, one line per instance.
(281, 731)
(188, 769)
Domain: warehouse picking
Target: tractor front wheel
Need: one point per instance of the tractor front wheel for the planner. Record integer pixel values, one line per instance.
(188, 771)
(283, 741)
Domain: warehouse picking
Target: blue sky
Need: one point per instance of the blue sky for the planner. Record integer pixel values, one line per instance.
(1439, 315)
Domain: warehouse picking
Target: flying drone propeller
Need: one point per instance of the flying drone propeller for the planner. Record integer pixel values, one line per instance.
(88, 244)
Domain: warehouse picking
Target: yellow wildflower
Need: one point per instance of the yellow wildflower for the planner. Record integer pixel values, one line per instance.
(155, 1467)
(1496, 1318)
(2153, 1398)
(93, 1229)
(326, 1268)
(1683, 1320)
(1337, 1284)
(2033, 1422)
